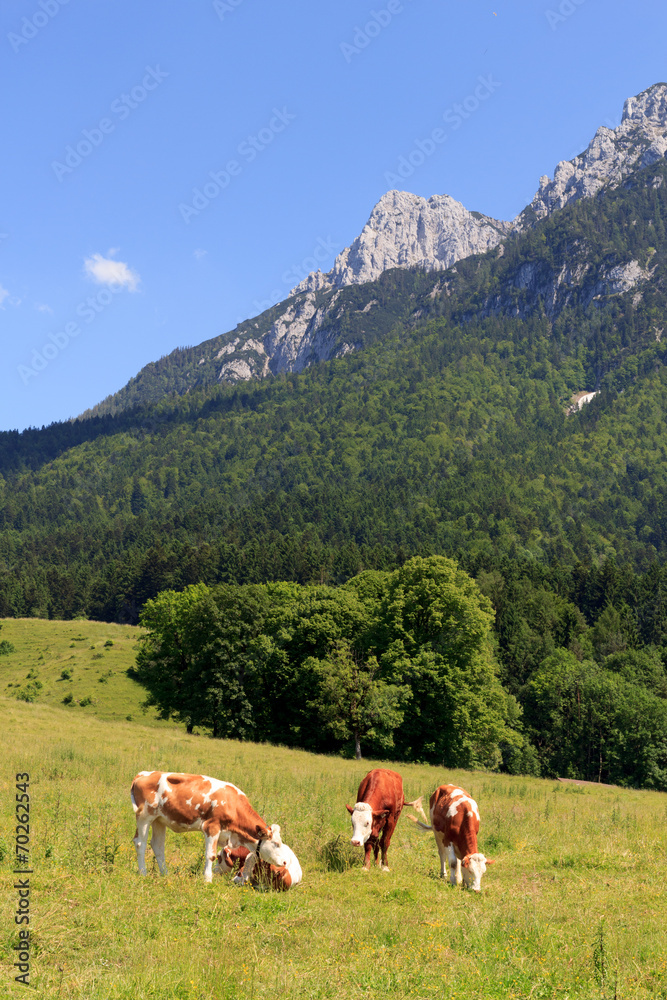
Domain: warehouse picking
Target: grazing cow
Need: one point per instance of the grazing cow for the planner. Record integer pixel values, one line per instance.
(231, 859)
(185, 802)
(455, 825)
(379, 802)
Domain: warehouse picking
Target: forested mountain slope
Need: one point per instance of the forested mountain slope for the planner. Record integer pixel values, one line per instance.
(448, 434)
(451, 434)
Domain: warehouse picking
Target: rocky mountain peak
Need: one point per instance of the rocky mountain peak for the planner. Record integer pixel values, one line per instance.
(651, 103)
(405, 230)
(639, 141)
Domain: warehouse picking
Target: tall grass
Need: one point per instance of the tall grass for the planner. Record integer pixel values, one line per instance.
(575, 906)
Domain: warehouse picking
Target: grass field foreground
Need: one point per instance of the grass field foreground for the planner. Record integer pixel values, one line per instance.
(574, 907)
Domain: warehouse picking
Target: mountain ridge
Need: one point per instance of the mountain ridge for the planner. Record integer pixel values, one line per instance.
(320, 321)
(450, 433)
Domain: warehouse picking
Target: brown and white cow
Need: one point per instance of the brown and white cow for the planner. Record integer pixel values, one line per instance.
(185, 802)
(379, 803)
(233, 859)
(455, 825)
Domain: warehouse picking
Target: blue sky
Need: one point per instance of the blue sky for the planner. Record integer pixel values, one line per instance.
(115, 112)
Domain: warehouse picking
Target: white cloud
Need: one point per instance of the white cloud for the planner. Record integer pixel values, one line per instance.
(105, 271)
(40, 307)
(200, 253)
(4, 294)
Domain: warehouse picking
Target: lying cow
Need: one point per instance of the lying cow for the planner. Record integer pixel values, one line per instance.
(379, 803)
(185, 802)
(455, 825)
(233, 859)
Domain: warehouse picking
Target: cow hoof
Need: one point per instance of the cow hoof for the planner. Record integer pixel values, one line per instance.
(384, 868)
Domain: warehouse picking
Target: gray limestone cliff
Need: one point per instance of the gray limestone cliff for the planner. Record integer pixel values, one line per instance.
(432, 234)
(405, 230)
(639, 141)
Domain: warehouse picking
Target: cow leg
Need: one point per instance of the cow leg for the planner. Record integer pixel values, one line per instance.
(455, 876)
(367, 853)
(211, 833)
(387, 834)
(157, 845)
(442, 851)
(140, 840)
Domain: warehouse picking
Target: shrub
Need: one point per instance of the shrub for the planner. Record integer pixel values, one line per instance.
(28, 693)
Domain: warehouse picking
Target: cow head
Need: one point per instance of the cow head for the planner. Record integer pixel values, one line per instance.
(473, 867)
(271, 849)
(364, 822)
(229, 857)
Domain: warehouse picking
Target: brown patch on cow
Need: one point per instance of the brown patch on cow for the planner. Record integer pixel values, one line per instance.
(186, 804)
(459, 830)
(263, 874)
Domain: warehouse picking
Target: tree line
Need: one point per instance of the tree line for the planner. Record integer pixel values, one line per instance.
(406, 664)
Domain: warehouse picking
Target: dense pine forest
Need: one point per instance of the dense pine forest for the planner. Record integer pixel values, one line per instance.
(448, 432)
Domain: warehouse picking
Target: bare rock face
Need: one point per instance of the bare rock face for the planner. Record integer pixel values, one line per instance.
(405, 230)
(639, 141)
(302, 334)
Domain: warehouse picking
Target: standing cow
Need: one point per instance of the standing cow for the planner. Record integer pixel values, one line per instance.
(233, 859)
(185, 802)
(455, 825)
(379, 803)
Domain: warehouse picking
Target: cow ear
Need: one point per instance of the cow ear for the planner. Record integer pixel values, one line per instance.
(490, 861)
(382, 815)
(349, 809)
(466, 861)
(275, 833)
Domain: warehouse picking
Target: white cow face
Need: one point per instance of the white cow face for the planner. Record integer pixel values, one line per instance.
(473, 867)
(362, 823)
(272, 850)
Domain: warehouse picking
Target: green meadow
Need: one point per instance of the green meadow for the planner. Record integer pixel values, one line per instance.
(575, 905)
(82, 664)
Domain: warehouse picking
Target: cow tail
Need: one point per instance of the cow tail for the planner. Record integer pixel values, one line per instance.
(417, 804)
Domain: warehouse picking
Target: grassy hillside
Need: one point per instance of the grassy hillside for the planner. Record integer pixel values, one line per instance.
(573, 866)
(83, 661)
